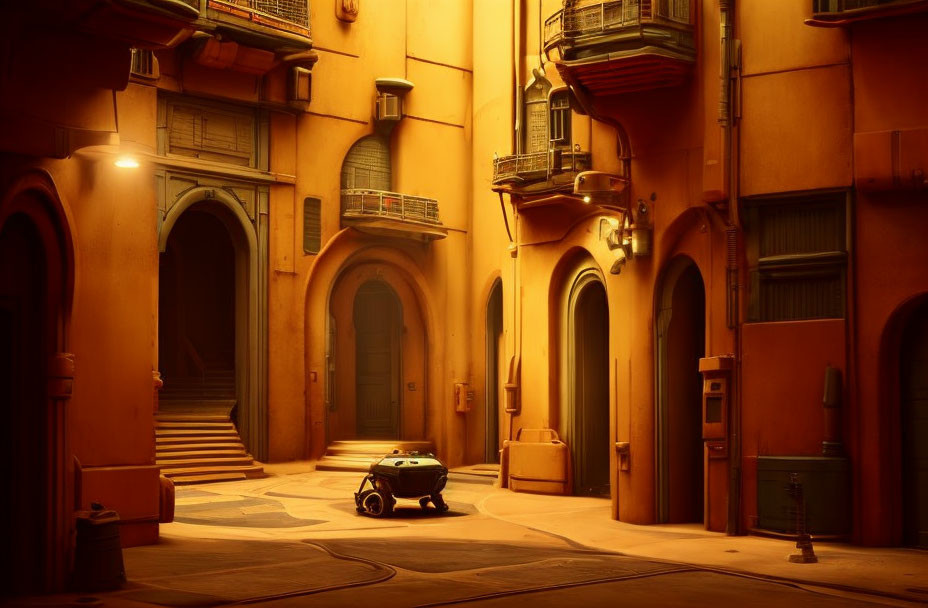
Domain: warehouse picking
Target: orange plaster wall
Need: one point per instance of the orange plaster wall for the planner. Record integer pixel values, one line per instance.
(783, 370)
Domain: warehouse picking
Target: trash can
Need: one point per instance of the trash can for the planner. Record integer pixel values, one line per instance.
(98, 562)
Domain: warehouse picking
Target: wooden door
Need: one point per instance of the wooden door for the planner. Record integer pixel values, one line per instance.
(914, 395)
(377, 332)
(591, 391)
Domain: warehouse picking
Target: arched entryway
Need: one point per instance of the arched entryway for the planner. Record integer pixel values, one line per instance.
(378, 333)
(681, 337)
(588, 384)
(494, 357)
(36, 278)
(913, 402)
(210, 328)
(197, 309)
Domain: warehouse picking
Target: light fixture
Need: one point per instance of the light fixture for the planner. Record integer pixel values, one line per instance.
(587, 199)
(126, 162)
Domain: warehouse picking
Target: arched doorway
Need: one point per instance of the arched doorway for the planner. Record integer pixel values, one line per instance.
(23, 353)
(494, 355)
(378, 333)
(196, 328)
(209, 328)
(36, 282)
(588, 384)
(681, 337)
(913, 396)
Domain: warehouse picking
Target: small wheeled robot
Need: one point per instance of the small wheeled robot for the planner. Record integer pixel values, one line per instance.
(402, 475)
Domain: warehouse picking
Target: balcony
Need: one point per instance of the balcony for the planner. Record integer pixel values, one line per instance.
(622, 46)
(392, 214)
(264, 24)
(539, 172)
(837, 13)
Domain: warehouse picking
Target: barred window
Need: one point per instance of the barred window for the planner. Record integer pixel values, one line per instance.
(312, 225)
(797, 256)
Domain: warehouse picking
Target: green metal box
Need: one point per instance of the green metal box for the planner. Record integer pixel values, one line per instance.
(826, 489)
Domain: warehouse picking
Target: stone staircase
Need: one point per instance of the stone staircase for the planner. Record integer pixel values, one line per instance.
(195, 438)
(358, 455)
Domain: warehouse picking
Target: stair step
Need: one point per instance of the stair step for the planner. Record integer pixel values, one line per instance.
(164, 440)
(178, 417)
(224, 434)
(171, 448)
(208, 477)
(194, 424)
(165, 455)
(174, 472)
(343, 465)
(222, 461)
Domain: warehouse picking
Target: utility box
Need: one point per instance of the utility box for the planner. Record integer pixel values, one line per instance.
(826, 490)
(539, 462)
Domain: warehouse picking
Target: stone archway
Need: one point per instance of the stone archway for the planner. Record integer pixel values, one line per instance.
(241, 372)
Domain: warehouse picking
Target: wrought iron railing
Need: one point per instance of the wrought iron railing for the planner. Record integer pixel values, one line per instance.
(538, 165)
(295, 12)
(604, 17)
(393, 205)
(839, 6)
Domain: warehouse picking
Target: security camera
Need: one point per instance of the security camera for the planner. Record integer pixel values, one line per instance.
(620, 260)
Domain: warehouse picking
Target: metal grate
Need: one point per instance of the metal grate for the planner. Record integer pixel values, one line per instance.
(312, 225)
(291, 11)
(380, 203)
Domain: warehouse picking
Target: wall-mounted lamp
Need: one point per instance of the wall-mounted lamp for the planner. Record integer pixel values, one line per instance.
(602, 189)
(126, 162)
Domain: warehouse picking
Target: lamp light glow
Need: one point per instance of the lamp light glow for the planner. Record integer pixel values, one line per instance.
(126, 162)
(587, 199)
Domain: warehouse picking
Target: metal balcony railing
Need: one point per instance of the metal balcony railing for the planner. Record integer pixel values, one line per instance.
(606, 17)
(840, 6)
(295, 12)
(538, 165)
(391, 205)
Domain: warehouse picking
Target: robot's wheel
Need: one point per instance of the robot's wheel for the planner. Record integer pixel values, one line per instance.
(424, 502)
(376, 504)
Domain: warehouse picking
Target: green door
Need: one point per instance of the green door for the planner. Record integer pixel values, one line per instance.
(377, 339)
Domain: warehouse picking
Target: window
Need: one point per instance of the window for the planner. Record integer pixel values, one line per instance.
(312, 225)
(797, 256)
(559, 114)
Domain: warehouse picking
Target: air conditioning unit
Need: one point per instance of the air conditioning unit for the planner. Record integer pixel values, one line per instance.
(144, 64)
(389, 107)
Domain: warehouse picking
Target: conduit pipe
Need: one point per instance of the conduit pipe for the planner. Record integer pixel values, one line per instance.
(732, 232)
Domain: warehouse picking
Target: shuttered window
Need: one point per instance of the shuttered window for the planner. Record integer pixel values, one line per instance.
(312, 225)
(797, 254)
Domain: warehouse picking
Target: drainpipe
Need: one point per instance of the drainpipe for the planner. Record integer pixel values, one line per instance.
(727, 115)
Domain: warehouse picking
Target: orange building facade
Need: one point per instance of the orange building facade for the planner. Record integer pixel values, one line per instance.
(663, 251)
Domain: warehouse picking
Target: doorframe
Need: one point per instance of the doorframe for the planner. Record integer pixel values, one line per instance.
(583, 280)
(250, 306)
(663, 313)
(492, 359)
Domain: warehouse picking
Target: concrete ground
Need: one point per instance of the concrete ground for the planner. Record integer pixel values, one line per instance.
(294, 539)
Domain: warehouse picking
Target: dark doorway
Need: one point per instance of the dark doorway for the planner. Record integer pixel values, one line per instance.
(378, 328)
(681, 343)
(914, 401)
(589, 387)
(494, 336)
(26, 343)
(197, 315)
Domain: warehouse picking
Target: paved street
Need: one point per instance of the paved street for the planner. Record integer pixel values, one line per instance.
(294, 539)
